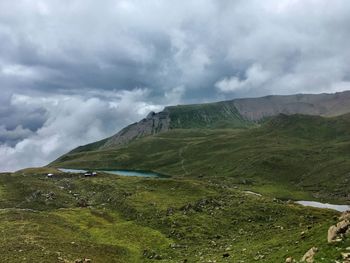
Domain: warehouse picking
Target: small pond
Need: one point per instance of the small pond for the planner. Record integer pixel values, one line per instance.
(340, 208)
(115, 172)
(74, 171)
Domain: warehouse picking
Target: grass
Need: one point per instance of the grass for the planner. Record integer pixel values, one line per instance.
(212, 115)
(302, 154)
(200, 213)
(127, 219)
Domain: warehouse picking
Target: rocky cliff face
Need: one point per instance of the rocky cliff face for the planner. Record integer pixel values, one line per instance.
(234, 113)
(255, 109)
(154, 123)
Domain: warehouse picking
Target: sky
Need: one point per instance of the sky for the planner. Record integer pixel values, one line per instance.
(76, 71)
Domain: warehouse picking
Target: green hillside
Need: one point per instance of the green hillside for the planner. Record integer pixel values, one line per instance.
(69, 218)
(227, 197)
(212, 115)
(303, 153)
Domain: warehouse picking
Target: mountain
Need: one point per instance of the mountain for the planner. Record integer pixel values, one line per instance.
(275, 145)
(298, 151)
(237, 113)
(233, 170)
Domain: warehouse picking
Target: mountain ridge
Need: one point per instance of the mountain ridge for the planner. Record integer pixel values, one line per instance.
(236, 113)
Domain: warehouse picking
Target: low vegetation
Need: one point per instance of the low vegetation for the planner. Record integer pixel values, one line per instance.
(287, 155)
(109, 218)
(227, 197)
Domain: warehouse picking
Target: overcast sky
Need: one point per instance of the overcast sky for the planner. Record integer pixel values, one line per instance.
(76, 71)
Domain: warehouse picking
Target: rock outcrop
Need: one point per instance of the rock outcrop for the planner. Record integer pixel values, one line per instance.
(256, 109)
(309, 255)
(337, 232)
(154, 123)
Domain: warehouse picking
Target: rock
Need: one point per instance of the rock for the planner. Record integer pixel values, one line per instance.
(170, 211)
(345, 255)
(309, 256)
(332, 234)
(84, 260)
(345, 216)
(289, 260)
(335, 233)
(173, 245)
(154, 123)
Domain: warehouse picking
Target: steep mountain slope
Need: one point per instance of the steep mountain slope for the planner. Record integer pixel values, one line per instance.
(255, 109)
(298, 151)
(238, 113)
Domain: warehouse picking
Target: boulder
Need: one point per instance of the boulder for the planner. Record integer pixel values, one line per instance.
(345, 216)
(346, 257)
(335, 233)
(332, 234)
(309, 255)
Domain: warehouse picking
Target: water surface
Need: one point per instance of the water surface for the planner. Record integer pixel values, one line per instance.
(74, 171)
(132, 173)
(115, 172)
(340, 208)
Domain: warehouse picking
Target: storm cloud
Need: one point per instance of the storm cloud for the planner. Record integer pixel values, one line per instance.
(72, 72)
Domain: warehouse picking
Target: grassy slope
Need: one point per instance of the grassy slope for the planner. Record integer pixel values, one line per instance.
(134, 219)
(297, 154)
(204, 209)
(199, 116)
(211, 115)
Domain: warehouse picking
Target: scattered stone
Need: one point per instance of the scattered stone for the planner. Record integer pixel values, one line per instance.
(173, 245)
(170, 211)
(345, 255)
(336, 232)
(309, 256)
(345, 216)
(82, 202)
(289, 260)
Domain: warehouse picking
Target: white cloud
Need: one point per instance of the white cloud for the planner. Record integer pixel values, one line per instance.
(255, 77)
(88, 63)
(72, 121)
(14, 135)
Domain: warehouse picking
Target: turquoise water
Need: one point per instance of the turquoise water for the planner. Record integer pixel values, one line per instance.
(132, 173)
(115, 172)
(340, 208)
(74, 171)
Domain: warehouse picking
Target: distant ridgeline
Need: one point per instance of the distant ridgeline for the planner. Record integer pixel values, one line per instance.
(237, 113)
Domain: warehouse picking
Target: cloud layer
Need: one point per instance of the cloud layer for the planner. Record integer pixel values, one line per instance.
(76, 71)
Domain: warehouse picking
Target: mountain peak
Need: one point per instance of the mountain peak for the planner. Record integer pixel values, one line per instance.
(237, 113)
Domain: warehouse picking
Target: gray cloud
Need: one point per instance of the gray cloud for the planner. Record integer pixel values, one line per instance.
(108, 59)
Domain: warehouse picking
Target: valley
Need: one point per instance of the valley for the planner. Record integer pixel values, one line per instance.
(70, 218)
(194, 183)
